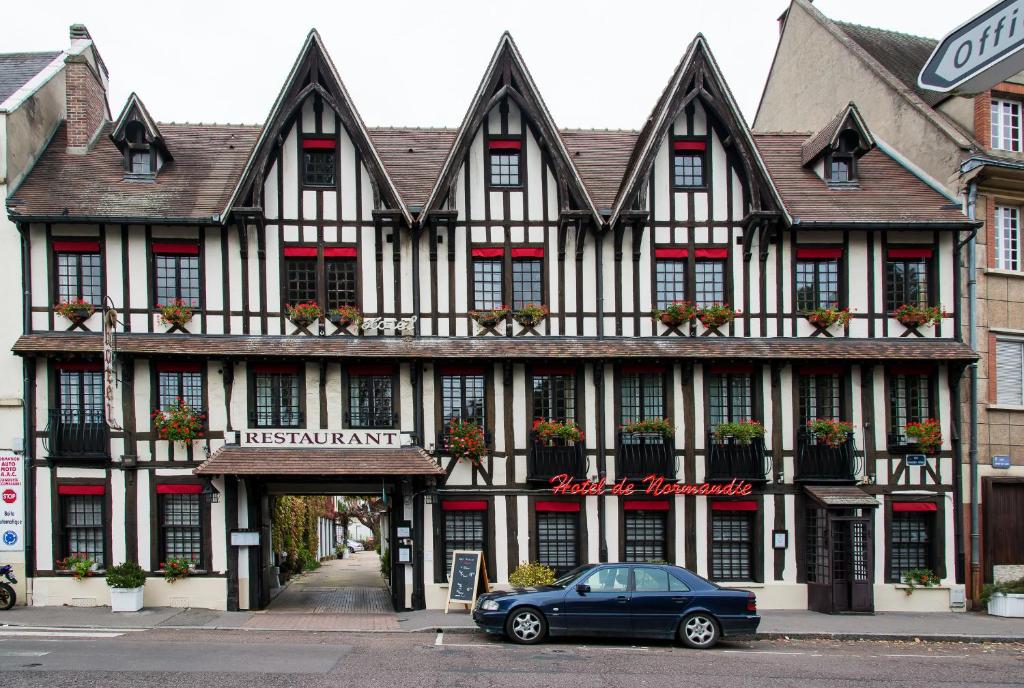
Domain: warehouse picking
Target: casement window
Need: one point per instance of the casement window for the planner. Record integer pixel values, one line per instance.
(840, 169)
(1010, 372)
(732, 540)
(487, 282)
(820, 396)
(710, 281)
(465, 527)
(463, 396)
(83, 524)
(371, 399)
(1007, 238)
(911, 538)
(505, 159)
(277, 394)
(909, 402)
(526, 266)
(907, 277)
(557, 525)
(304, 277)
(1006, 124)
(730, 397)
(527, 281)
(670, 276)
(80, 394)
(817, 278)
(180, 522)
(319, 162)
(177, 273)
(689, 164)
(554, 396)
(641, 396)
(182, 381)
(79, 272)
(645, 525)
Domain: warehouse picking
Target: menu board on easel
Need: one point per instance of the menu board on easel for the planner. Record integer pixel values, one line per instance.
(467, 579)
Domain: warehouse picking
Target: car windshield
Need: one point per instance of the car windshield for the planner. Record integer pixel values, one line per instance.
(567, 578)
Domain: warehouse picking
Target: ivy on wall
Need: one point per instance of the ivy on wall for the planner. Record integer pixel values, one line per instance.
(296, 521)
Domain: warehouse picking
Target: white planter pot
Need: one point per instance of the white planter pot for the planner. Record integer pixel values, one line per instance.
(1002, 604)
(126, 599)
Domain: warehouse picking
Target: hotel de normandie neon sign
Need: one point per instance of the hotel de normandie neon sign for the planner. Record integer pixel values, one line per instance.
(655, 485)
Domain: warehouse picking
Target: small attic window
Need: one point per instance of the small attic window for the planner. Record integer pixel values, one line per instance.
(840, 166)
(138, 152)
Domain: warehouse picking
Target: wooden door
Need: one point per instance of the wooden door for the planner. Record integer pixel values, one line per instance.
(1004, 524)
(852, 561)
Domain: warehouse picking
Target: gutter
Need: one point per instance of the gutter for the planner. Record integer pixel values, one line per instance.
(952, 225)
(99, 219)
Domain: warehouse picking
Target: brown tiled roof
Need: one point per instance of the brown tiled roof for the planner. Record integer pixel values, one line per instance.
(902, 54)
(413, 158)
(425, 348)
(196, 185)
(886, 192)
(236, 460)
(813, 145)
(17, 69)
(841, 495)
(601, 156)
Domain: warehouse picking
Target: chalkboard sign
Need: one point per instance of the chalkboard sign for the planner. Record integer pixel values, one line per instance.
(464, 581)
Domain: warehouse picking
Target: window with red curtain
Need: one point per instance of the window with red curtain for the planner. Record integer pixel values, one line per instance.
(911, 539)
(689, 159)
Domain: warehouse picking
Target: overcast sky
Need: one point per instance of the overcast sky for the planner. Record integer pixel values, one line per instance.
(597, 63)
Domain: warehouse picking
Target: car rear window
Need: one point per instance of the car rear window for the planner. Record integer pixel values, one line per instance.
(657, 580)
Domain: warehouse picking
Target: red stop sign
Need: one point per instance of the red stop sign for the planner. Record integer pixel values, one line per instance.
(10, 496)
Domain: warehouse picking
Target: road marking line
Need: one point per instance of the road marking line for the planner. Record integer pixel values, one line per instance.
(57, 634)
(930, 656)
(13, 627)
(26, 653)
(763, 652)
(439, 640)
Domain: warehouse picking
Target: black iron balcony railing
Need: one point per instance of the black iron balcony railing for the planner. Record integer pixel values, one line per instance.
(641, 454)
(546, 460)
(728, 459)
(77, 435)
(820, 462)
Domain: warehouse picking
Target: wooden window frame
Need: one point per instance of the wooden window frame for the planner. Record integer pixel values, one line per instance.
(704, 157)
(55, 267)
(937, 545)
(756, 543)
(253, 413)
(996, 140)
(347, 379)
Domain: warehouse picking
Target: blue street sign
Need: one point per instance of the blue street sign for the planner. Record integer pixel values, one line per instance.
(1001, 461)
(10, 537)
(916, 459)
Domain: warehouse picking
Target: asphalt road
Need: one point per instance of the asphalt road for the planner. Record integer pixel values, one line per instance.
(215, 659)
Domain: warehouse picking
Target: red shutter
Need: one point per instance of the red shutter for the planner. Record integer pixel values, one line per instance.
(558, 506)
(170, 488)
(819, 253)
(81, 489)
(910, 252)
(176, 249)
(183, 367)
(464, 505)
(528, 253)
(690, 145)
(300, 252)
(319, 144)
(914, 506)
(713, 253)
(737, 505)
(671, 252)
(488, 252)
(340, 252)
(504, 144)
(645, 505)
(76, 246)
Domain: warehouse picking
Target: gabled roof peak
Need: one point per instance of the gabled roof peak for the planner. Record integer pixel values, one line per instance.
(134, 110)
(827, 138)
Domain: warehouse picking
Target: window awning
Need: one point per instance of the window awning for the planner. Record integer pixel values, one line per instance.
(841, 496)
(281, 461)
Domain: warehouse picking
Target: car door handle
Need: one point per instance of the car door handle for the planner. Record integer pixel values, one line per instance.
(622, 598)
(680, 599)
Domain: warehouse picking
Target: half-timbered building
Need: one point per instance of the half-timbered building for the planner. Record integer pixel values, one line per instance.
(427, 230)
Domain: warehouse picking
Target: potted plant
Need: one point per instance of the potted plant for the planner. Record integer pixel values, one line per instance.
(304, 314)
(651, 426)
(78, 565)
(127, 582)
(918, 316)
(743, 432)
(530, 314)
(176, 312)
(676, 313)
(834, 433)
(716, 315)
(176, 568)
(346, 315)
(491, 316)
(1005, 598)
(180, 423)
(531, 574)
(466, 441)
(927, 434)
(551, 431)
(75, 310)
(827, 317)
(919, 578)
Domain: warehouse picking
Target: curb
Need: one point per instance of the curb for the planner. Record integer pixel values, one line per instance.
(907, 637)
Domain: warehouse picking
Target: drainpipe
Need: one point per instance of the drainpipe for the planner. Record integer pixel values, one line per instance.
(972, 340)
(28, 403)
(602, 468)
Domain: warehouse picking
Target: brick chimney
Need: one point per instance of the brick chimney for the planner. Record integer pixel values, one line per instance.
(86, 91)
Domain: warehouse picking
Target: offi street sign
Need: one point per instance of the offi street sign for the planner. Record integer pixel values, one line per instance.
(979, 53)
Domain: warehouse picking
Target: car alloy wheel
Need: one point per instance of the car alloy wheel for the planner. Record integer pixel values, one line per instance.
(699, 631)
(526, 626)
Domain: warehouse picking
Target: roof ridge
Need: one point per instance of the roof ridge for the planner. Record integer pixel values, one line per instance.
(889, 31)
(207, 124)
(590, 129)
(410, 127)
(25, 53)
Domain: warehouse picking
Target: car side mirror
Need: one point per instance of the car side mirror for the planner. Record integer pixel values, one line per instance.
(582, 588)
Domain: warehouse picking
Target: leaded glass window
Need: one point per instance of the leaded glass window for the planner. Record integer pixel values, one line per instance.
(688, 169)
(817, 284)
(909, 402)
(732, 545)
(669, 281)
(84, 528)
(554, 397)
(819, 397)
(370, 401)
(341, 282)
(527, 282)
(910, 542)
(730, 398)
(505, 167)
(181, 531)
(277, 400)
(463, 530)
(645, 536)
(710, 276)
(557, 539)
(319, 167)
(300, 280)
(175, 385)
(79, 277)
(487, 283)
(906, 282)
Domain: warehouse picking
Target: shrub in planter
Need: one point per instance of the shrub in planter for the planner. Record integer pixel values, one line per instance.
(491, 316)
(919, 578)
(180, 423)
(716, 315)
(744, 432)
(76, 310)
(834, 433)
(126, 583)
(927, 433)
(1004, 599)
(676, 313)
(304, 314)
(346, 315)
(550, 431)
(531, 574)
(917, 316)
(530, 314)
(827, 317)
(176, 568)
(652, 426)
(466, 441)
(79, 565)
(176, 312)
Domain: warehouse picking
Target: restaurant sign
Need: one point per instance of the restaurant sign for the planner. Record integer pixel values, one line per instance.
(321, 439)
(654, 485)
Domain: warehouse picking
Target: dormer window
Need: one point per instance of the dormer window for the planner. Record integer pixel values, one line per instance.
(841, 163)
(833, 151)
(504, 160)
(688, 164)
(840, 170)
(140, 141)
(139, 156)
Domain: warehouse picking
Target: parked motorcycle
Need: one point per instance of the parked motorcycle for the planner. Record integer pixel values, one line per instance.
(7, 594)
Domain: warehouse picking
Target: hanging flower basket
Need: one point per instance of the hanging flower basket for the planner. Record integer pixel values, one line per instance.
(76, 310)
(919, 316)
(744, 432)
(304, 314)
(651, 426)
(176, 312)
(676, 313)
(466, 441)
(716, 315)
(343, 316)
(491, 316)
(180, 423)
(530, 314)
(834, 433)
(827, 317)
(176, 568)
(551, 432)
(927, 434)
(78, 565)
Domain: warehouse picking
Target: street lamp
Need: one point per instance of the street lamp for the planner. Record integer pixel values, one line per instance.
(209, 492)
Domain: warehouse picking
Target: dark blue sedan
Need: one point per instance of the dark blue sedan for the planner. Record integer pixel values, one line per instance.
(639, 600)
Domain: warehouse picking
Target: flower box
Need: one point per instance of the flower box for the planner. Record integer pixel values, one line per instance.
(126, 599)
(530, 315)
(491, 317)
(1006, 604)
